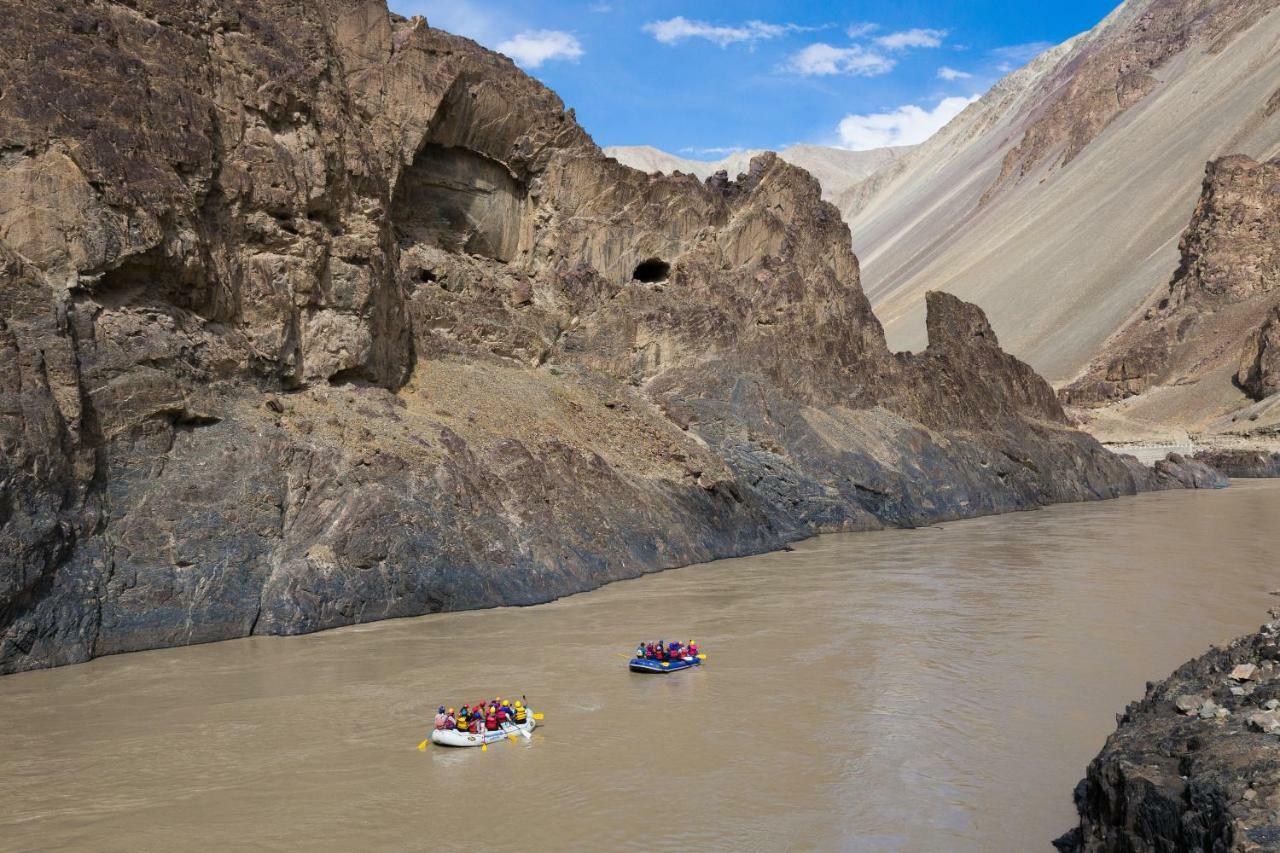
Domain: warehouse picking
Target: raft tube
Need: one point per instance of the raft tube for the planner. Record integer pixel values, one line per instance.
(452, 737)
(662, 667)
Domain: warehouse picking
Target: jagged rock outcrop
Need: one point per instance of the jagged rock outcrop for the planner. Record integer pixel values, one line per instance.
(1224, 295)
(1259, 373)
(1214, 323)
(1195, 764)
(315, 315)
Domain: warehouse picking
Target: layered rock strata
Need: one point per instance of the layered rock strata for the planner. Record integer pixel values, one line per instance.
(313, 315)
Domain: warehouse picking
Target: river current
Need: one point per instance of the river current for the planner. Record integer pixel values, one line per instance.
(926, 690)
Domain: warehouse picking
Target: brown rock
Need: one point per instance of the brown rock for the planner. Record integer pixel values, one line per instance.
(1228, 278)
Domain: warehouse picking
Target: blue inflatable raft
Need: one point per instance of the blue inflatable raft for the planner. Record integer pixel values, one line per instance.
(662, 667)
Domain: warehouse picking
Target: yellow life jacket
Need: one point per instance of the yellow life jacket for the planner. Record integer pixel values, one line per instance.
(520, 715)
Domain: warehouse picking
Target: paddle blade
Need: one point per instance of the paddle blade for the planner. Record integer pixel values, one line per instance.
(702, 657)
(538, 716)
(422, 747)
(664, 663)
(512, 737)
(484, 747)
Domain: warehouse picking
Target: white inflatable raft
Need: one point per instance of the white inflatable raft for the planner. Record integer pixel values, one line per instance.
(452, 737)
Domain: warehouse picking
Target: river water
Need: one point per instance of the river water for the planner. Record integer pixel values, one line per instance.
(936, 689)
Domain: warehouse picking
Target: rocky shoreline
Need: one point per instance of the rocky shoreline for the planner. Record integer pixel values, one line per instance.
(319, 316)
(1243, 464)
(1195, 764)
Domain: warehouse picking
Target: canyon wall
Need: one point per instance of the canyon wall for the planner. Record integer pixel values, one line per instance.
(313, 315)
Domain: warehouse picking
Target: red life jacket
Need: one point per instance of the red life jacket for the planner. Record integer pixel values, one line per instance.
(475, 725)
(648, 650)
(492, 722)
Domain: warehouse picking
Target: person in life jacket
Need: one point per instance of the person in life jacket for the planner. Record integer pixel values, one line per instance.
(648, 652)
(673, 651)
(441, 716)
(520, 715)
(640, 650)
(693, 649)
(491, 721)
(475, 723)
(450, 722)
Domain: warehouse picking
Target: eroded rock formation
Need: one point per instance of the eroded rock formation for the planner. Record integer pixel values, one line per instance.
(313, 315)
(1220, 308)
(1195, 764)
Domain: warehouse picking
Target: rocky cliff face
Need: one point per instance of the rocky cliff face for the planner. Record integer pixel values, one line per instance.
(1195, 764)
(313, 315)
(1218, 313)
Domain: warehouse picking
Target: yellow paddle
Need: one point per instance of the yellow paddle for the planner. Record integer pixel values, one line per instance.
(422, 747)
(538, 716)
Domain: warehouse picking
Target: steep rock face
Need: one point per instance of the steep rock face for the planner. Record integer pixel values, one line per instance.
(1259, 373)
(314, 315)
(1217, 315)
(1195, 764)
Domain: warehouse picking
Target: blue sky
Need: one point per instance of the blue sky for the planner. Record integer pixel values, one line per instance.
(704, 78)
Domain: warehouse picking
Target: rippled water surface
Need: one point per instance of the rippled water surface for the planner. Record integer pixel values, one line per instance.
(936, 689)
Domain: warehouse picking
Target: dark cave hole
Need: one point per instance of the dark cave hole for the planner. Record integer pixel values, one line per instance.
(652, 270)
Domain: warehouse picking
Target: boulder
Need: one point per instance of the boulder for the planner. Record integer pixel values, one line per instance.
(1244, 672)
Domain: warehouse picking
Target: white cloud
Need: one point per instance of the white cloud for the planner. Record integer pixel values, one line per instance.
(679, 28)
(857, 31)
(945, 73)
(821, 60)
(907, 125)
(912, 38)
(532, 48)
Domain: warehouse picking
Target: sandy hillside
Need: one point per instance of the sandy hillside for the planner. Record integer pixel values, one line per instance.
(1062, 254)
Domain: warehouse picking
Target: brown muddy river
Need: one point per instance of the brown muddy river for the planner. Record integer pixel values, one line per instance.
(937, 689)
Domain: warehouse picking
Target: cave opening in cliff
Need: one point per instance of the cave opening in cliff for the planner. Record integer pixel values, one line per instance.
(460, 201)
(652, 270)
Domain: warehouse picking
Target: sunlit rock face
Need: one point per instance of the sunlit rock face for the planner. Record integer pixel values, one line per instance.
(312, 315)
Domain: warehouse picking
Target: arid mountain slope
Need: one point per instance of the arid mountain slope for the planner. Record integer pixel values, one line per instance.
(836, 169)
(313, 315)
(1056, 201)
